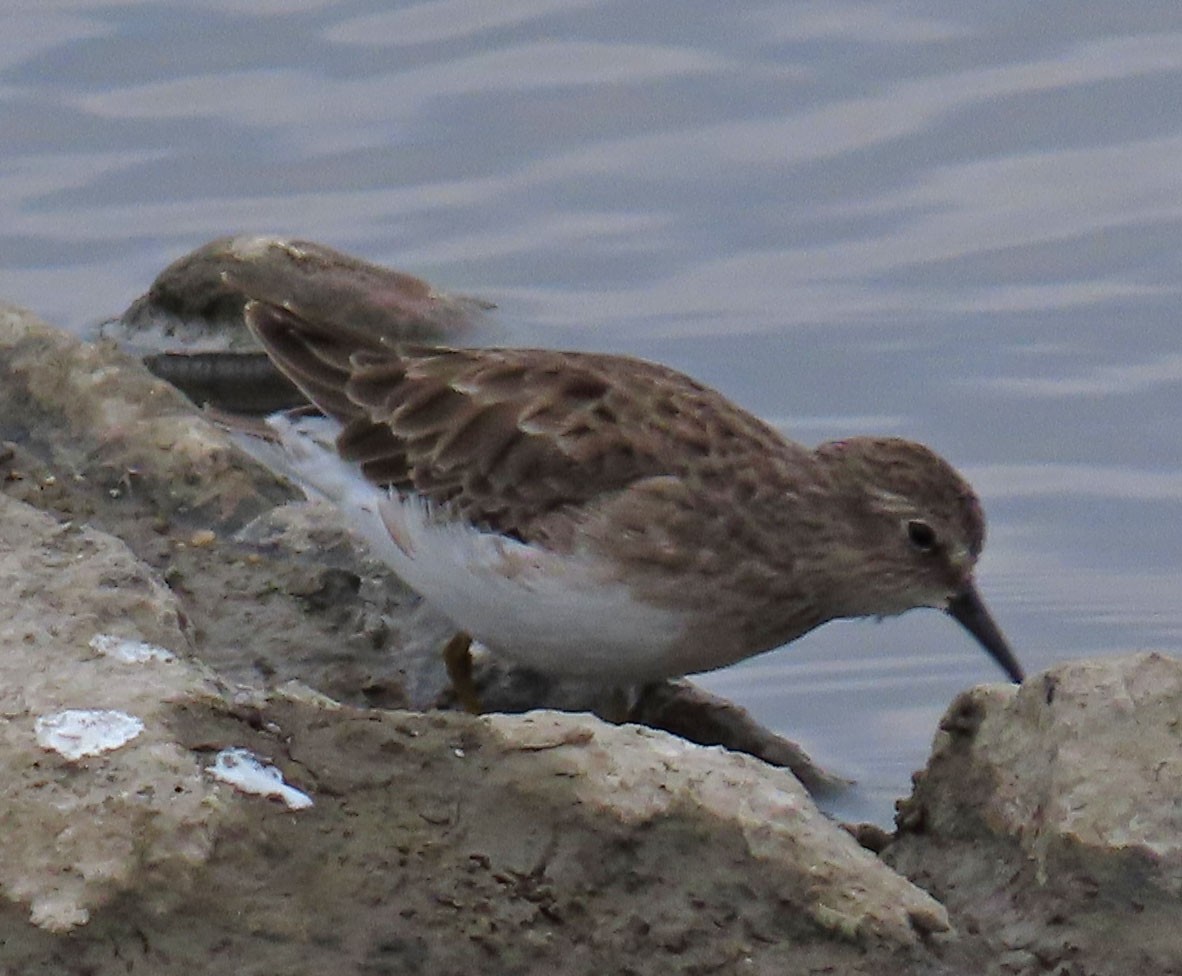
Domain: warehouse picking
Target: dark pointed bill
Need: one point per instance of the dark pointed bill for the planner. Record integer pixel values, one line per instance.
(968, 609)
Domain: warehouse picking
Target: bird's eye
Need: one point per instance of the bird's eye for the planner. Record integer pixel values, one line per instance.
(921, 535)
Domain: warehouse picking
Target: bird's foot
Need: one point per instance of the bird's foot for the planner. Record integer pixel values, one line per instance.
(617, 705)
(457, 658)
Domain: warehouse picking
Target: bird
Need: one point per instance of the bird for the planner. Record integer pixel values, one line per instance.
(607, 518)
(188, 327)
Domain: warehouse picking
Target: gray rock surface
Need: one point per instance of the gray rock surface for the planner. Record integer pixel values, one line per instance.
(77, 833)
(89, 435)
(1049, 818)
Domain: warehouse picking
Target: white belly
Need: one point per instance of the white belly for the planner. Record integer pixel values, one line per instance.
(557, 614)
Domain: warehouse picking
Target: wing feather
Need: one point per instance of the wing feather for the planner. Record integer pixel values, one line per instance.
(516, 440)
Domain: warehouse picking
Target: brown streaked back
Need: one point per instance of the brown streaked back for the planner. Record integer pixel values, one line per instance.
(510, 437)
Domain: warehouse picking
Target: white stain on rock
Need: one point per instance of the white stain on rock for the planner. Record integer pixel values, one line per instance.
(78, 732)
(129, 651)
(244, 770)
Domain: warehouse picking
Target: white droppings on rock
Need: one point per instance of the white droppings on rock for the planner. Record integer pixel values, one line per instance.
(130, 651)
(243, 770)
(79, 732)
(58, 912)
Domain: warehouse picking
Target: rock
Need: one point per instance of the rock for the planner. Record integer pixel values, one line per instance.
(642, 776)
(189, 329)
(1048, 817)
(436, 843)
(91, 436)
(119, 431)
(135, 816)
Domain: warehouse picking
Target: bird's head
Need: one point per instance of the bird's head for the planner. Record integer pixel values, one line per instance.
(916, 532)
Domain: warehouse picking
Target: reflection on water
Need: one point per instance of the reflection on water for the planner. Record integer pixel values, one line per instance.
(956, 224)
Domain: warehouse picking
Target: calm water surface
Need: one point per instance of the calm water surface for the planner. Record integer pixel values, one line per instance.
(960, 224)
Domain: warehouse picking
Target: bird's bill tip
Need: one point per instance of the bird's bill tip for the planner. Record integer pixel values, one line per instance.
(969, 610)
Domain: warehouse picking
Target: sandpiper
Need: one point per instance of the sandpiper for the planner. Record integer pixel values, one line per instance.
(608, 518)
(188, 326)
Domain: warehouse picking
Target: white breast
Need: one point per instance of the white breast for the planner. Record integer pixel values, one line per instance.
(558, 614)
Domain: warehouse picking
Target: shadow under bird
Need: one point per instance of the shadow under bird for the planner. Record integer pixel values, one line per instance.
(603, 517)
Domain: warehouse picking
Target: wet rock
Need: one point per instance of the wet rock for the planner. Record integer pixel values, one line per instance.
(1048, 818)
(189, 329)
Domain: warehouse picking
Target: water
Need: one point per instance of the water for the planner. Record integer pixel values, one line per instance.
(959, 224)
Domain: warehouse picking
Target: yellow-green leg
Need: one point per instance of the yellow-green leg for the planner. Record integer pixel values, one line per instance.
(457, 658)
